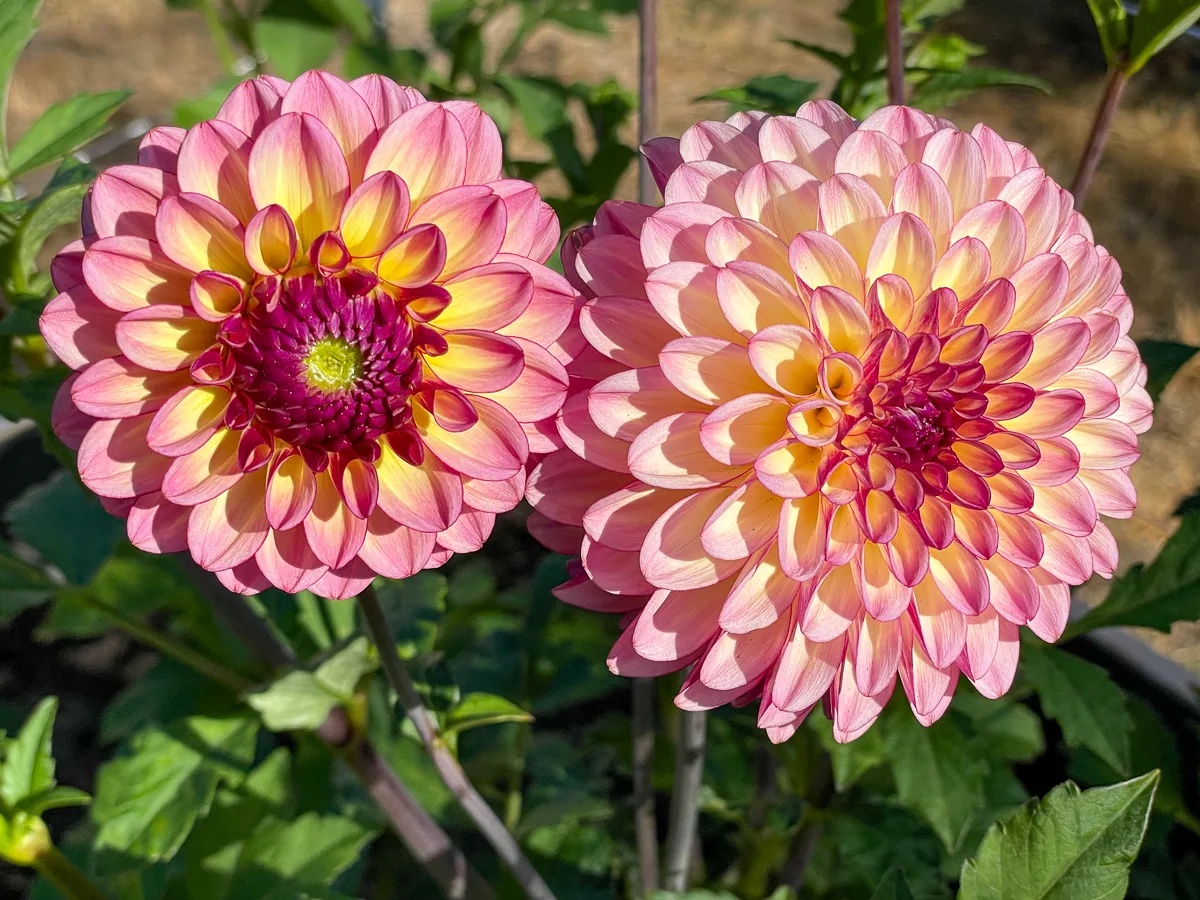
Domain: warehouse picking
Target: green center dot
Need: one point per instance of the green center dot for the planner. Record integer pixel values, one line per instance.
(333, 365)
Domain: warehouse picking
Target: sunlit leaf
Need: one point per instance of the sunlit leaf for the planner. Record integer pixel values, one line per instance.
(940, 89)
(63, 128)
(1112, 26)
(148, 799)
(292, 46)
(1072, 845)
(478, 709)
(17, 25)
(1157, 24)
(779, 94)
(28, 767)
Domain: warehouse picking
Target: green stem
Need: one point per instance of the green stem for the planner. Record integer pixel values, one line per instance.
(66, 876)
(516, 777)
(220, 37)
(167, 645)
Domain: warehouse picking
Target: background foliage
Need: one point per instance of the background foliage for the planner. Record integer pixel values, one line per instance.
(215, 785)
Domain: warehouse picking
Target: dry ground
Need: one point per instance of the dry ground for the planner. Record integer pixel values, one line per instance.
(1142, 205)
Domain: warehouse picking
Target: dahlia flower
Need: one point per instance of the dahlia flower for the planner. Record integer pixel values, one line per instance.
(310, 334)
(849, 405)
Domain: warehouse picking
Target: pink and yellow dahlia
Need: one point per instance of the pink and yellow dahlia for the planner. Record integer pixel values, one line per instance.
(849, 405)
(310, 334)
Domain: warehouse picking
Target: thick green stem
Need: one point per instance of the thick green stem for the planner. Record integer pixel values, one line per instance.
(167, 645)
(66, 876)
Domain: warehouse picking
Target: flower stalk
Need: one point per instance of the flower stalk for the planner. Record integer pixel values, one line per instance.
(685, 801)
(893, 28)
(452, 774)
(66, 877)
(1106, 113)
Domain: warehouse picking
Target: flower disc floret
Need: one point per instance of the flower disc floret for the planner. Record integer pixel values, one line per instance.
(311, 336)
(849, 406)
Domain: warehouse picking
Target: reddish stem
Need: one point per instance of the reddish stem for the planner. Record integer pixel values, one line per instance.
(1105, 114)
(647, 92)
(895, 52)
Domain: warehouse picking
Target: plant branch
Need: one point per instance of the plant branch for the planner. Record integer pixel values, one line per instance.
(685, 801)
(820, 792)
(425, 839)
(66, 877)
(647, 93)
(427, 842)
(166, 644)
(485, 819)
(645, 694)
(894, 30)
(1106, 112)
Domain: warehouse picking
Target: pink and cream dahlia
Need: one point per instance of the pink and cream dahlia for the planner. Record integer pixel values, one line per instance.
(309, 335)
(849, 405)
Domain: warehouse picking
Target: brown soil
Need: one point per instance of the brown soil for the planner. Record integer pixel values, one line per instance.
(1142, 205)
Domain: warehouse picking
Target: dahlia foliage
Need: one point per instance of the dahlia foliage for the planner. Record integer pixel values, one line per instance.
(309, 335)
(847, 406)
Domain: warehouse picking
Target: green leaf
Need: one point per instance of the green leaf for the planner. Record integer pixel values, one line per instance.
(28, 767)
(282, 859)
(1163, 359)
(1157, 24)
(947, 52)
(776, 94)
(302, 700)
(839, 61)
(293, 47)
(58, 797)
(295, 701)
(18, 23)
(1072, 845)
(67, 526)
(893, 887)
(1113, 27)
(64, 128)
(148, 800)
(937, 774)
(194, 110)
(352, 14)
(692, 895)
(478, 709)
(157, 696)
(1156, 595)
(54, 209)
(1082, 699)
(943, 88)
(21, 585)
(342, 672)
(213, 849)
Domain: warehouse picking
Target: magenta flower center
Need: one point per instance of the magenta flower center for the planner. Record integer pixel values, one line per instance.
(327, 366)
